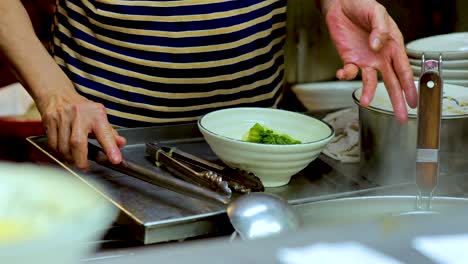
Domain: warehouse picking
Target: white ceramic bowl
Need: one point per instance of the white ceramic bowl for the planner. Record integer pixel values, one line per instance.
(320, 96)
(273, 164)
(47, 216)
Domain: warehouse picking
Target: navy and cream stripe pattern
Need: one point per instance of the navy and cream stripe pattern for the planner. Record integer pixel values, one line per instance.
(158, 62)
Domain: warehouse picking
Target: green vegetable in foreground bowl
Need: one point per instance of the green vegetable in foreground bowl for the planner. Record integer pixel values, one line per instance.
(264, 135)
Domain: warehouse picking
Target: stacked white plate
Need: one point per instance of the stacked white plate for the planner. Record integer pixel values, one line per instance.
(454, 50)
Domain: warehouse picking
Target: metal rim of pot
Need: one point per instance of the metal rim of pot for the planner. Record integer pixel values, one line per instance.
(412, 116)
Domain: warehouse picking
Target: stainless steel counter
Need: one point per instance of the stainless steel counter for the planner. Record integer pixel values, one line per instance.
(396, 244)
(151, 214)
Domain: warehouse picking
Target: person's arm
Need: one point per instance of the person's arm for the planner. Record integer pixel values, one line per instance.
(368, 39)
(68, 117)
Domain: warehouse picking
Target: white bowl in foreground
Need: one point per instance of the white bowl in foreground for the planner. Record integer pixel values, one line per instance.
(47, 216)
(273, 164)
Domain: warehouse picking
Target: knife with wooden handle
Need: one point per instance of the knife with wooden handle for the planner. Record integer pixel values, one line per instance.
(429, 122)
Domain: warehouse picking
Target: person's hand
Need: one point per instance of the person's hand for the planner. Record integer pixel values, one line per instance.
(68, 118)
(368, 39)
(69, 121)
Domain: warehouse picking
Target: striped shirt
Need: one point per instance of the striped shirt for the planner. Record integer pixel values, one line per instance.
(158, 62)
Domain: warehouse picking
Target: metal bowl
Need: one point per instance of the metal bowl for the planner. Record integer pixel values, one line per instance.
(380, 209)
(388, 148)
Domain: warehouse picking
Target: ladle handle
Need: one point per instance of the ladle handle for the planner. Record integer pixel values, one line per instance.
(429, 122)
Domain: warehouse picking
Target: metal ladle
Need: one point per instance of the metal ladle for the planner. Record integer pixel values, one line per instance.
(252, 215)
(428, 137)
(257, 215)
(429, 123)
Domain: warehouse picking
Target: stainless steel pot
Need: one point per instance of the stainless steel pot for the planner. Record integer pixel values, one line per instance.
(380, 209)
(388, 148)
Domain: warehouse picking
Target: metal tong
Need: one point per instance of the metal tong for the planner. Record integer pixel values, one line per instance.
(210, 174)
(205, 178)
(96, 154)
(429, 123)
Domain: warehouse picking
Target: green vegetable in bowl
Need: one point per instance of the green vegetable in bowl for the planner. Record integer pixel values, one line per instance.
(264, 135)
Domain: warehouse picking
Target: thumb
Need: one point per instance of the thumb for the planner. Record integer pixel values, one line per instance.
(380, 28)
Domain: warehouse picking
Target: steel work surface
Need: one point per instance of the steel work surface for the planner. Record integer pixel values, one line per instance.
(152, 214)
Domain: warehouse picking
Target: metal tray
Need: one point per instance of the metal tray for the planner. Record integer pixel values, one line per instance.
(154, 214)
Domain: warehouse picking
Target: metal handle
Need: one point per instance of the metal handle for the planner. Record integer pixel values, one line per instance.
(205, 178)
(96, 154)
(238, 180)
(429, 122)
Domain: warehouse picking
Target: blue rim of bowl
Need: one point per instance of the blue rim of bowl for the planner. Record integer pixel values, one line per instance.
(411, 116)
(332, 134)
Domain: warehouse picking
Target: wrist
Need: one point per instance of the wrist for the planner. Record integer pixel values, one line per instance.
(56, 97)
(41, 76)
(56, 88)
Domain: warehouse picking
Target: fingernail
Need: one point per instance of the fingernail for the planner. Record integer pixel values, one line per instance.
(376, 43)
(116, 158)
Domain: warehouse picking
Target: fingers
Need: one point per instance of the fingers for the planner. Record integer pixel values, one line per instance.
(380, 28)
(107, 140)
(51, 132)
(399, 69)
(403, 69)
(69, 123)
(369, 80)
(79, 142)
(348, 72)
(121, 141)
(405, 76)
(58, 131)
(105, 135)
(64, 133)
(396, 94)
